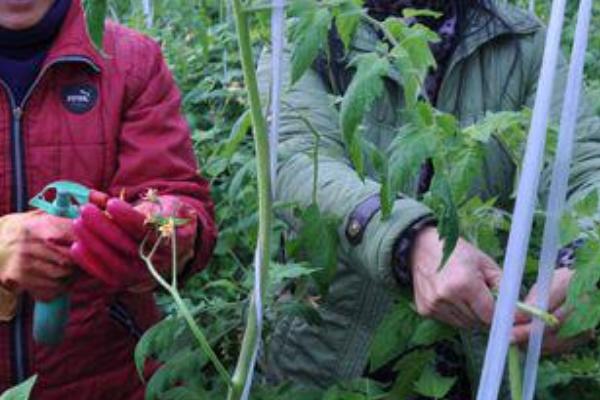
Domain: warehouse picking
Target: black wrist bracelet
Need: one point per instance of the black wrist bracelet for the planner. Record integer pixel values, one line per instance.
(403, 249)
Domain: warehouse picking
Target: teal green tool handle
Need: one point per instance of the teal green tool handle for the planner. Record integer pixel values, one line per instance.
(50, 318)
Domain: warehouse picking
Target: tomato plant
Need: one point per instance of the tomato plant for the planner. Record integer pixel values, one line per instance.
(200, 341)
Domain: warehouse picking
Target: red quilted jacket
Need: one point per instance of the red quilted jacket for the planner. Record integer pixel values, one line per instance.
(110, 121)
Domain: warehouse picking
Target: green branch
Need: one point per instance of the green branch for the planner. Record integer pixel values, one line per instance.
(182, 308)
(261, 141)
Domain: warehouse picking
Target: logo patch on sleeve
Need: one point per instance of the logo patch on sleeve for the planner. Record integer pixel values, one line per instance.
(79, 98)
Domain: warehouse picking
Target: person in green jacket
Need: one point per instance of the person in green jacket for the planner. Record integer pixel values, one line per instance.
(489, 59)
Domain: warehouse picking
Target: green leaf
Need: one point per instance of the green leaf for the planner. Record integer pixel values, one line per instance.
(586, 275)
(386, 193)
(95, 11)
(432, 384)
(365, 88)
(569, 228)
(414, 13)
(308, 35)
(238, 133)
(465, 171)
(393, 335)
(429, 332)
(160, 342)
(317, 243)
(182, 369)
(588, 205)
(347, 18)
(410, 368)
(586, 316)
(440, 200)
(21, 392)
(411, 148)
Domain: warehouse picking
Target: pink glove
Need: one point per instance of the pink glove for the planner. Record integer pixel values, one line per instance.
(108, 241)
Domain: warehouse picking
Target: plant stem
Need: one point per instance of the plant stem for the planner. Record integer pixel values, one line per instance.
(261, 141)
(515, 373)
(183, 309)
(547, 318)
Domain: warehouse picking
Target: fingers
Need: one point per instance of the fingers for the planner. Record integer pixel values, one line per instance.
(41, 278)
(448, 314)
(91, 265)
(101, 228)
(492, 273)
(483, 304)
(128, 218)
(100, 259)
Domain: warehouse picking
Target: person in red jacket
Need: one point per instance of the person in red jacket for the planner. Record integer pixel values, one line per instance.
(109, 120)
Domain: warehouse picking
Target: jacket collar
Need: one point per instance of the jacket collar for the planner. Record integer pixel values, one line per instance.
(73, 43)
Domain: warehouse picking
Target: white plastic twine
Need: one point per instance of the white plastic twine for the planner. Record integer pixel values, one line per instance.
(558, 192)
(148, 13)
(277, 35)
(520, 232)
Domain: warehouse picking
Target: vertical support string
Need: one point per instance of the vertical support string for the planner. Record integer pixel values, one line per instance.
(518, 242)
(148, 13)
(558, 191)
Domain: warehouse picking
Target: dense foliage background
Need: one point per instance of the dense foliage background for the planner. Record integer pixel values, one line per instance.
(199, 41)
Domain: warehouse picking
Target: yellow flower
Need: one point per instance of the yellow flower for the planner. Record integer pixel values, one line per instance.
(167, 229)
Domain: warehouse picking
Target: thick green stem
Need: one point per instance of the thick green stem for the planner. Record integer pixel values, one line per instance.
(515, 373)
(261, 141)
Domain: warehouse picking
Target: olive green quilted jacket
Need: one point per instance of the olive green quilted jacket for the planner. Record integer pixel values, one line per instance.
(499, 66)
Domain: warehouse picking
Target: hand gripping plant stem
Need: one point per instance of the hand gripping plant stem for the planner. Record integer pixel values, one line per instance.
(251, 340)
(518, 241)
(558, 191)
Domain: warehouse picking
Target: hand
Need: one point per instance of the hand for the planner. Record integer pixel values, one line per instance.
(34, 254)
(108, 241)
(460, 293)
(553, 344)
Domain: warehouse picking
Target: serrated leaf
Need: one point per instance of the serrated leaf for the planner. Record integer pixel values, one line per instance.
(365, 88)
(585, 317)
(159, 342)
(410, 368)
(411, 148)
(432, 384)
(317, 243)
(20, 392)
(182, 369)
(393, 335)
(464, 172)
(95, 12)
(440, 200)
(587, 273)
(309, 35)
(347, 18)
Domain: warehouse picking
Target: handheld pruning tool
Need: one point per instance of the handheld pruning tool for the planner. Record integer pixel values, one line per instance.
(50, 318)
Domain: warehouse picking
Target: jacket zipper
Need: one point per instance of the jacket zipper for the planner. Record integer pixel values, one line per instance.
(19, 342)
